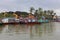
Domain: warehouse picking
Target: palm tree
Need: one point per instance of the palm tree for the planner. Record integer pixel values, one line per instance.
(54, 13)
(55, 16)
(50, 14)
(45, 13)
(31, 10)
(39, 10)
(36, 13)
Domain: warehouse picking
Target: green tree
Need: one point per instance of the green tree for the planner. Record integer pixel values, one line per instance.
(40, 12)
(45, 13)
(31, 10)
(36, 13)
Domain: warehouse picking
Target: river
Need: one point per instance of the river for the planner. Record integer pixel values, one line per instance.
(45, 31)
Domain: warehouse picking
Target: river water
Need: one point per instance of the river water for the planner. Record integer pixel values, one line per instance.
(45, 31)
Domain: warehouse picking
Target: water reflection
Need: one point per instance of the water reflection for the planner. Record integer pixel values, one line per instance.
(1, 28)
(28, 31)
(41, 30)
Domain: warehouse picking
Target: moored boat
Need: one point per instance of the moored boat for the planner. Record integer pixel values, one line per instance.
(10, 21)
(43, 21)
(29, 21)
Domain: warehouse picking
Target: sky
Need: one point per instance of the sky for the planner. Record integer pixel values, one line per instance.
(24, 5)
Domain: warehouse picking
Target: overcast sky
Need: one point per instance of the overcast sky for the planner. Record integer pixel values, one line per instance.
(24, 5)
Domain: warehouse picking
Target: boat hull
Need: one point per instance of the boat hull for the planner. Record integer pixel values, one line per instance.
(20, 23)
(30, 23)
(10, 23)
